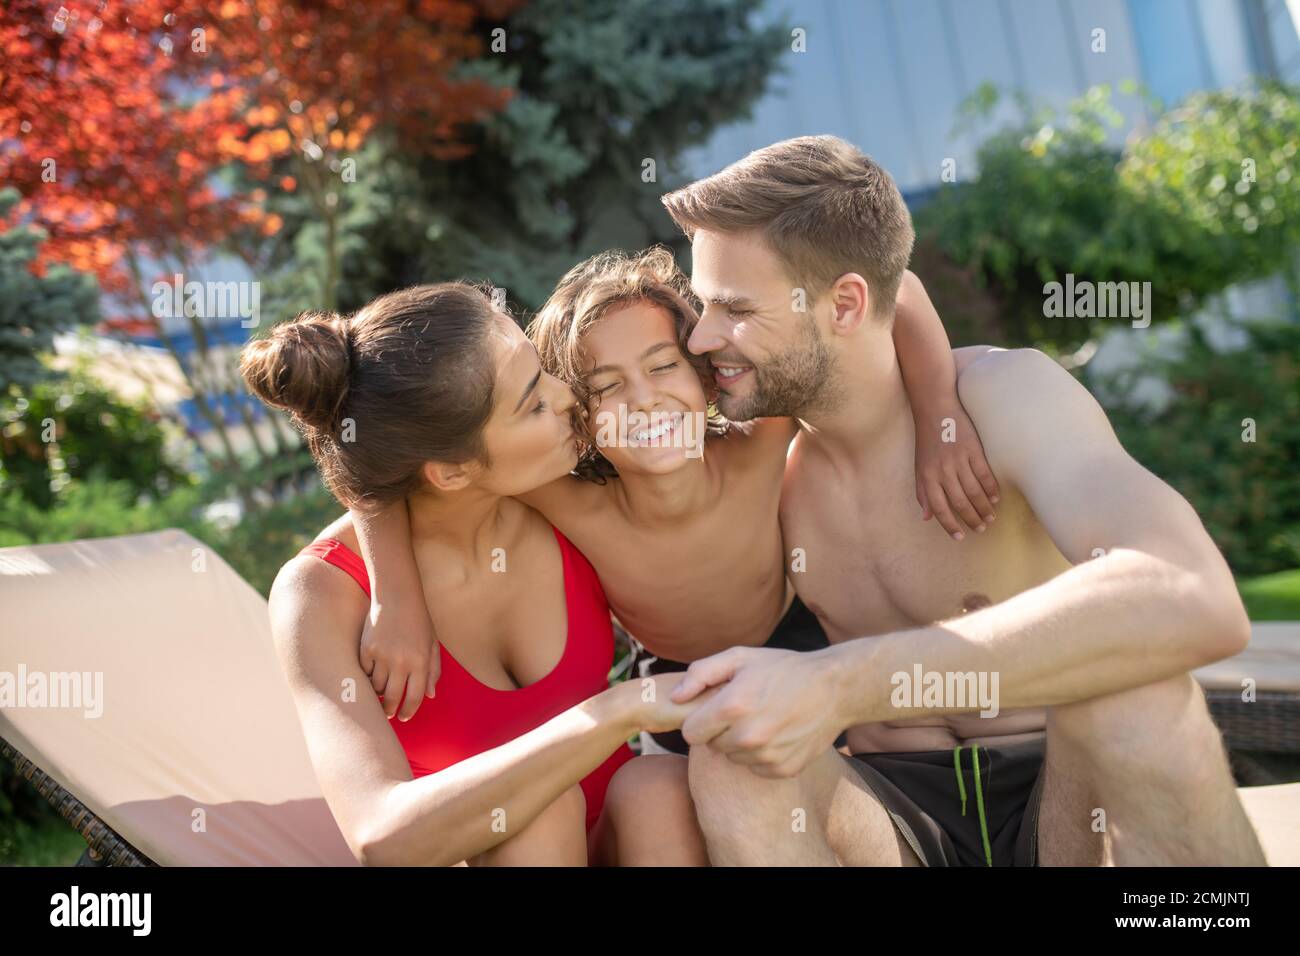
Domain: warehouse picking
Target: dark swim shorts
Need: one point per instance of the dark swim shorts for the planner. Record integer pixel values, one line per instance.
(953, 811)
(798, 630)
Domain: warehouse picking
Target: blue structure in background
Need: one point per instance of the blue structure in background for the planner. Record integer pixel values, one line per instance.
(890, 75)
(225, 336)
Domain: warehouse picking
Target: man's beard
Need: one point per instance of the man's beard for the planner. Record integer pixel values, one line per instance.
(791, 384)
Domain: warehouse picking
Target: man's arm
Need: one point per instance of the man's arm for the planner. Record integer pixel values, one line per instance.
(1158, 600)
(1149, 597)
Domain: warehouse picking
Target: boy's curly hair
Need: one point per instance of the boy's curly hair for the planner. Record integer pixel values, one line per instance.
(592, 290)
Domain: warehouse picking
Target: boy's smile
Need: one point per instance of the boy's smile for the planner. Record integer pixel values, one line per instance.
(648, 402)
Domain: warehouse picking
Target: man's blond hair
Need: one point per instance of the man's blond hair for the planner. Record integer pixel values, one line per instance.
(823, 206)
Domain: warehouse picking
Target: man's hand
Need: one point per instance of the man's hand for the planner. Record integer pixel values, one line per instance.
(953, 477)
(399, 650)
(657, 707)
(771, 712)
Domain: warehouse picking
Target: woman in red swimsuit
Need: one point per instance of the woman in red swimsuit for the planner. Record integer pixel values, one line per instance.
(520, 757)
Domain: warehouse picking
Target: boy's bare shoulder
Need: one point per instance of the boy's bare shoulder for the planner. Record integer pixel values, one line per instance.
(568, 499)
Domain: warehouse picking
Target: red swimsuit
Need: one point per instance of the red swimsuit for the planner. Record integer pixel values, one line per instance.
(466, 717)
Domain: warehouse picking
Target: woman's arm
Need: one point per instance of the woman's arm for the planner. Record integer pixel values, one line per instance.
(388, 818)
(952, 474)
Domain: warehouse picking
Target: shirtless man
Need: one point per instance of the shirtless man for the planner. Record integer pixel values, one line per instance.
(1090, 599)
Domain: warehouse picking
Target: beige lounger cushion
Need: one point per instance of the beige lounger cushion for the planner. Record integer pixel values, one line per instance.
(1275, 814)
(198, 757)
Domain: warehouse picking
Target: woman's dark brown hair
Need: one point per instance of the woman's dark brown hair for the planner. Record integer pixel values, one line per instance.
(406, 380)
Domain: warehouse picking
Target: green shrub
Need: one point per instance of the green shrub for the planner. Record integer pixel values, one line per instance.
(95, 509)
(261, 543)
(68, 427)
(1197, 202)
(255, 548)
(1246, 492)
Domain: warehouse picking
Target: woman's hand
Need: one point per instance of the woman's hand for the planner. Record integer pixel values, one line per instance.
(655, 710)
(399, 651)
(952, 475)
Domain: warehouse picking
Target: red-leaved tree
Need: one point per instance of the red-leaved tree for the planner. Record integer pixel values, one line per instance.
(116, 116)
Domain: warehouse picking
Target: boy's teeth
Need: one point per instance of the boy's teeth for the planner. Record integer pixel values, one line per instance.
(650, 434)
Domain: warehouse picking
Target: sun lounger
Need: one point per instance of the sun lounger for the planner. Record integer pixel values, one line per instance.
(1255, 696)
(197, 758)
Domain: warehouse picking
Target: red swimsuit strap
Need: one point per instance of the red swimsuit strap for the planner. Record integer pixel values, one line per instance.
(341, 556)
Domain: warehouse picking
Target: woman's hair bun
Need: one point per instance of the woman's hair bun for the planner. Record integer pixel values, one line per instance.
(303, 366)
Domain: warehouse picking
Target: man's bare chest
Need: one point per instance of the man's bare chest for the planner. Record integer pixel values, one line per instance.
(867, 563)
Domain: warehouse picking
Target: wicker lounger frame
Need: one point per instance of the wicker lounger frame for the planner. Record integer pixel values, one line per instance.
(104, 846)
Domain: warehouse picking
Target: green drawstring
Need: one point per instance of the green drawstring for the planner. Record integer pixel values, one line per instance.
(979, 795)
(961, 784)
(979, 802)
